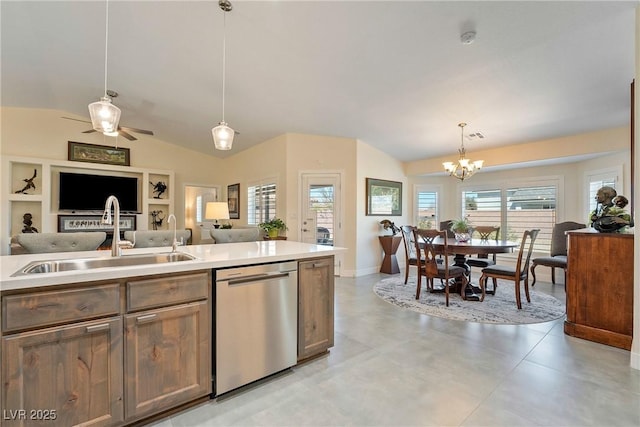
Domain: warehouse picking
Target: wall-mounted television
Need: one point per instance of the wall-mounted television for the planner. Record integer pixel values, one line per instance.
(86, 192)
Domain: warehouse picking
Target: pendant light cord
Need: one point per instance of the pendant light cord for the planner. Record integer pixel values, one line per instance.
(106, 46)
(224, 58)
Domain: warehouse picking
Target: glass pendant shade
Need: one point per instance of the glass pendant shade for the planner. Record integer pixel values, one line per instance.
(105, 116)
(222, 136)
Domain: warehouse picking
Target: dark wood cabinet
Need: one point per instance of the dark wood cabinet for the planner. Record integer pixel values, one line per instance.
(105, 353)
(315, 306)
(600, 287)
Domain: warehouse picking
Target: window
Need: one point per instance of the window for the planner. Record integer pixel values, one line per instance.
(599, 179)
(426, 207)
(515, 209)
(261, 202)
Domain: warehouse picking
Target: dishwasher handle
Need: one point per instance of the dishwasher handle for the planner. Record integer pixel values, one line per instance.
(256, 278)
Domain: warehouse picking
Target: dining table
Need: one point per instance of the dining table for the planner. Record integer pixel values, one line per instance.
(461, 250)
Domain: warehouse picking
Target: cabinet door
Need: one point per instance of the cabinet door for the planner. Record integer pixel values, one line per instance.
(64, 376)
(167, 357)
(315, 311)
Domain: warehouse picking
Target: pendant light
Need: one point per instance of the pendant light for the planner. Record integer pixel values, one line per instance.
(104, 115)
(223, 134)
(464, 168)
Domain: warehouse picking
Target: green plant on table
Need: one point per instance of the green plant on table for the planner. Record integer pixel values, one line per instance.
(273, 227)
(461, 225)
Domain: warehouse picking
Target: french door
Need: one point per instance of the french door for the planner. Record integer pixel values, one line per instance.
(321, 222)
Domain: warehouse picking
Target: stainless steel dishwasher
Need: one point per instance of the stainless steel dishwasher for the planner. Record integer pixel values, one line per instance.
(256, 323)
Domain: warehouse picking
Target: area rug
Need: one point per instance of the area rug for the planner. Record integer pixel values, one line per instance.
(500, 308)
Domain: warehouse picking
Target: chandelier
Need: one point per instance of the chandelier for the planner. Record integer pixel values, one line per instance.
(223, 134)
(464, 168)
(104, 115)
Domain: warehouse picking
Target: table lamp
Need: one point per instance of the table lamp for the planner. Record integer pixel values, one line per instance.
(216, 211)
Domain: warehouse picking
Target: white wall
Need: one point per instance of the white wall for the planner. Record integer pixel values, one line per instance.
(373, 163)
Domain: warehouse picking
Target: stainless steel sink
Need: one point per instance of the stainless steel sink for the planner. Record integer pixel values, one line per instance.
(53, 266)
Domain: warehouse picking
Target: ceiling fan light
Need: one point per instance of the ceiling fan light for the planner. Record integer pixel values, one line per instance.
(104, 115)
(222, 136)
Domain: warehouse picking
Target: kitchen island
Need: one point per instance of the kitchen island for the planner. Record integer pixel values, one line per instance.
(115, 346)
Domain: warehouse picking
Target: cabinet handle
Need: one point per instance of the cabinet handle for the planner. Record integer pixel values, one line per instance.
(96, 328)
(320, 264)
(145, 318)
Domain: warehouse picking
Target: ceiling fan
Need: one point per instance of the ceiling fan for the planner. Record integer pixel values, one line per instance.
(122, 130)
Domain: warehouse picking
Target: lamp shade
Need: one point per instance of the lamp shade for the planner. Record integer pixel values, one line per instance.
(104, 116)
(216, 210)
(222, 136)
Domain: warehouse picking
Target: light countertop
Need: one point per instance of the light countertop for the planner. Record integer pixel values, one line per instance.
(207, 257)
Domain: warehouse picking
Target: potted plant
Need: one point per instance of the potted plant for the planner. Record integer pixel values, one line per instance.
(273, 227)
(461, 229)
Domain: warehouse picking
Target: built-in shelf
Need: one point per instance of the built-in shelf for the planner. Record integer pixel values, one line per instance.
(42, 201)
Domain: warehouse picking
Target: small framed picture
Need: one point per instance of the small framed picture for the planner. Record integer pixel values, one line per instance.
(384, 197)
(81, 152)
(233, 199)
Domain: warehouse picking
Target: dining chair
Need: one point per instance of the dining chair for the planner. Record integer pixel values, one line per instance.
(429, 265)
(483, 260)
(518, 274)
(558, 254)
(409, 249)
(446, 226)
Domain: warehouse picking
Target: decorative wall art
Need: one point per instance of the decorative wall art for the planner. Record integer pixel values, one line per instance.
(29, 184)
(71, 223)
(81, 152)
(233, 199)
(384, 197)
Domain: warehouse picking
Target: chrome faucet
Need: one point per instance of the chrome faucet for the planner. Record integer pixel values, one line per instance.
(116, 243)
(174, 245)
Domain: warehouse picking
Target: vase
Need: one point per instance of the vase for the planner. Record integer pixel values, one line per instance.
(462, 237)
(273, 233)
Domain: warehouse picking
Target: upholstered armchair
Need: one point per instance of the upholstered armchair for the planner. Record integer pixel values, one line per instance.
(156, 238)
(558, 255)
(35, 243)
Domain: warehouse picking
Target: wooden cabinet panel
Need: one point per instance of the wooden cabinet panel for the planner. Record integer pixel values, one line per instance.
(163, 291)
(600, 287)
(315, 310)
(35, 309)
(168, 357)
(70, 374)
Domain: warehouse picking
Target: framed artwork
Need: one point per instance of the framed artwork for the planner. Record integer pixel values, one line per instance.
(71, 223)
(233, 199)
(81, 152)
(384, 198)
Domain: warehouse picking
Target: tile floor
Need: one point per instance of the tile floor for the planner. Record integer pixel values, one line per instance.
(393, 367)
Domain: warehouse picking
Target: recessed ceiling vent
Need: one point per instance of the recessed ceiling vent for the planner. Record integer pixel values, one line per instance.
(475, 136)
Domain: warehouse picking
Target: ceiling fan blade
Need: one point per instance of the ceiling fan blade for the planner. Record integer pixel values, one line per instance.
(127, 135)
(77, 120)
(130, 129)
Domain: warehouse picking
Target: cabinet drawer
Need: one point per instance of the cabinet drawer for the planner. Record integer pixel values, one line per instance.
(54, 307)
(162, 291)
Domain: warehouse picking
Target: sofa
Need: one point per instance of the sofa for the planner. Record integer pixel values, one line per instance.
(34, 243)
(232, 235)
(156, 238)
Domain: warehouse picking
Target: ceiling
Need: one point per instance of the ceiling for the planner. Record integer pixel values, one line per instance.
(392, 74)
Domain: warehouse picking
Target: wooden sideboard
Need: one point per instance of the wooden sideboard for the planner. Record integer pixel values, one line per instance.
(600, 287)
